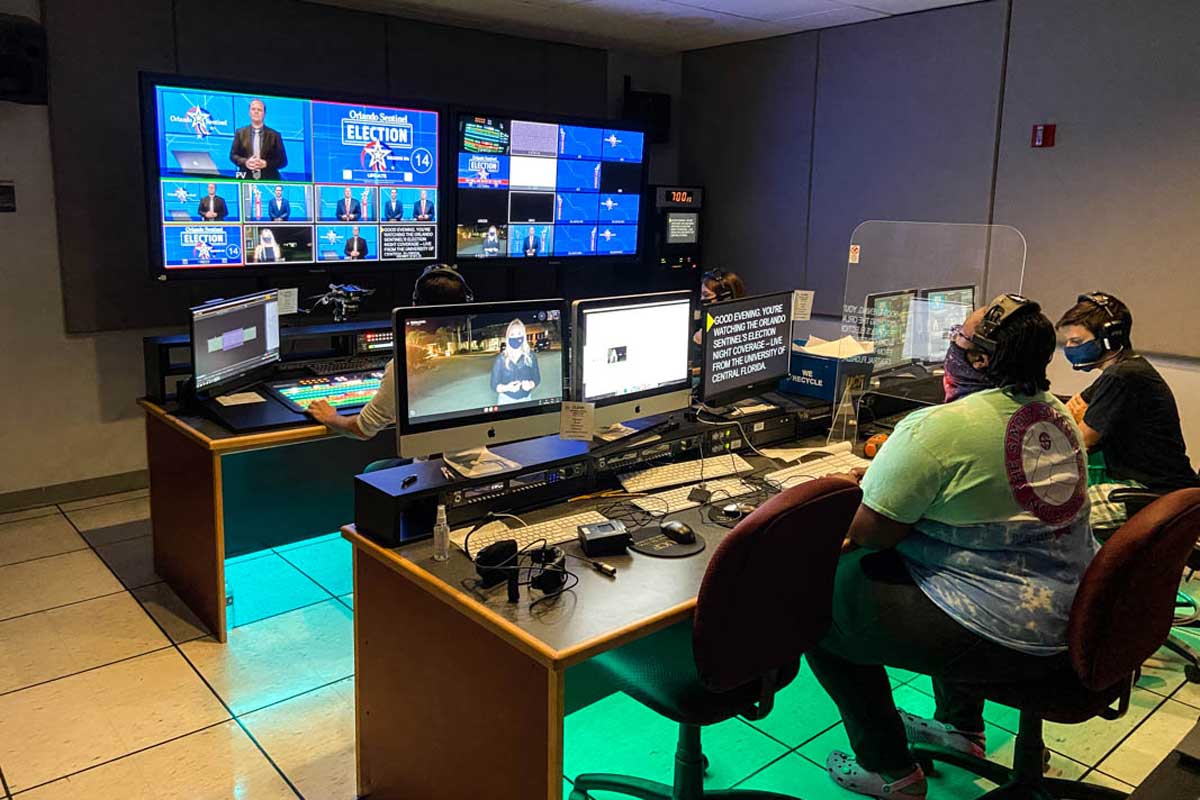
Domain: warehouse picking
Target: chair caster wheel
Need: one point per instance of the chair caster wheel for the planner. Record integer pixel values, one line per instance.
(705, 761)
(578, 795)
(1192, 672)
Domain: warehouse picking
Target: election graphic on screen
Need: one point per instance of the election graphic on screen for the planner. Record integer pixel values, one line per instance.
(262, 171)
(202, 245)
(374, 145)
(347, 243)
(200, 201)
(515, 174)
(281, 202)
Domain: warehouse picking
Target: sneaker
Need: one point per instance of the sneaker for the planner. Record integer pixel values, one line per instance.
(929, 731)
(846, 772)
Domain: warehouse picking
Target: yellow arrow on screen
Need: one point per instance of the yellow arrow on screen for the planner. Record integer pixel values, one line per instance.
(708, 323)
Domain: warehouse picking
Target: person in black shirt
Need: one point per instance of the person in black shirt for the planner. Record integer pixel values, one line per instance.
(515, 372)
(1128, 413)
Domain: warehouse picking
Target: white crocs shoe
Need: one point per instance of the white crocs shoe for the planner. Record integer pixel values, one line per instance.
(929, 731)
(846, 772)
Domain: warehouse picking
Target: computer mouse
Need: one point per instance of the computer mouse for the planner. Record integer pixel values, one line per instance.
(678, 532)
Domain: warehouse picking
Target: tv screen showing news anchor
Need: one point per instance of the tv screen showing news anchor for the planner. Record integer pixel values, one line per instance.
(265, 171)
(530, 189)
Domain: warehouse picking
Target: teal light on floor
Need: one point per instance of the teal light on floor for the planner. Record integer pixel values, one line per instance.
(264, 587)
(328, 562)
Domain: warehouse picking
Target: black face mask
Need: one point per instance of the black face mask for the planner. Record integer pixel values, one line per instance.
(961, 378)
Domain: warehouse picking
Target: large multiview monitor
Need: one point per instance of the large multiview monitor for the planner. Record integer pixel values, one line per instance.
(247, 180)
(469, 376)
(630, 355)
(234, 339)
(544, 189)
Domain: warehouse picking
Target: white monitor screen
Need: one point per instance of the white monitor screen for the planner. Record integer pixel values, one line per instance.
(634, 348)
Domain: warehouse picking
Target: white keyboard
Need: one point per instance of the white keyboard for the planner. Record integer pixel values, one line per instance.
(648, 480)
(673, 500)
(817, 468)
(555, 531)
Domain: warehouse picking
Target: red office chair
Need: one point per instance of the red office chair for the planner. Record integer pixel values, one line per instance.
(1121, 615)
(767, 596)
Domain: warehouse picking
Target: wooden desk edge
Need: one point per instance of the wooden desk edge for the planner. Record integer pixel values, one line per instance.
(242, 442)
(460, 601)
(557, 659)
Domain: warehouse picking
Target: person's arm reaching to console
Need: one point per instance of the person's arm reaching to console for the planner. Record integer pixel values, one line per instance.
(374, 417)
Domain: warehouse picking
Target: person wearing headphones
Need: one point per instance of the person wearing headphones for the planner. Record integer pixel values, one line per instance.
(439, 284)
(972, 539)
(716, 286)
(1128, 413)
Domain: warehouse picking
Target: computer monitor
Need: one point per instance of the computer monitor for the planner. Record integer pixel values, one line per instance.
(233, 338)
(886, 317)
(468, 376)
(936, 313)
(747, 347)
(630, 355)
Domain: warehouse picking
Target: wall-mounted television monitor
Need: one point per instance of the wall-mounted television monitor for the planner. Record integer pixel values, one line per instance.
(242, 179)
(541, 189)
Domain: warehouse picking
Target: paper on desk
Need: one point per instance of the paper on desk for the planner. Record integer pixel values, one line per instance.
(790, 454)
(241, 399)
(289, 301)
(845, 347)
(802, 302)
(577, 421)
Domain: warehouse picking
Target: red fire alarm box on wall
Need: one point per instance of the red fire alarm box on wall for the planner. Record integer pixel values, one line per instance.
(1043, 136)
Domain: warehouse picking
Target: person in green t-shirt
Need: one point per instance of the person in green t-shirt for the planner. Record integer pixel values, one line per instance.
(974, 536)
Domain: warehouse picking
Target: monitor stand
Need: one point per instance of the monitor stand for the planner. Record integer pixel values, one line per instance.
(479, 462)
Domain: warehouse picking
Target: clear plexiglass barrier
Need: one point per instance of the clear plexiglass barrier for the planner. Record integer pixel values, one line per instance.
(907, 285)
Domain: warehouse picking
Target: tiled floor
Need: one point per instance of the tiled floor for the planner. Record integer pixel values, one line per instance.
(109, 687)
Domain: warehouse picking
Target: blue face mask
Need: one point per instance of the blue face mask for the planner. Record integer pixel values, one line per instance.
(516, 342)
(960, 377)
(1086, 356)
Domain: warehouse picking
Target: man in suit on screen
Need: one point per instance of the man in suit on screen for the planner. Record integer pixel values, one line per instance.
(356, 246)
(212, 206)
(423, 209)
(531, 243)
(393, 209)
(258, 150)
(279, 208)
(348, 209)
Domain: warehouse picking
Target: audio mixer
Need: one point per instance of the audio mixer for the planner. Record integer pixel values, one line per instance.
(347, 391)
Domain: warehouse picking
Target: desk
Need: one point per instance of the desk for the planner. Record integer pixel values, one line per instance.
(216, 494)
(459, 695)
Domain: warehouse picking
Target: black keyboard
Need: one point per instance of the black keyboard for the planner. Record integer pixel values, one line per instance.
(335, 366)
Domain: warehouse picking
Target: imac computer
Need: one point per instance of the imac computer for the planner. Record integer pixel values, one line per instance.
(886, 321)
(935, 314)
(468, 376)
(630, 356)
(234, 341)
(747, 347)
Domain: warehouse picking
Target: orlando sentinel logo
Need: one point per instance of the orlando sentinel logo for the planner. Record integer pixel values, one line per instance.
(374, 156)
(199, 120)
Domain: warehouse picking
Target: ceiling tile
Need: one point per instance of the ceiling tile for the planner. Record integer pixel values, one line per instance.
(766, 10)
(828, 19)
(905, 6)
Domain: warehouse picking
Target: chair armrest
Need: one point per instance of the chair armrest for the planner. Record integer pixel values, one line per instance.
(1141, 497)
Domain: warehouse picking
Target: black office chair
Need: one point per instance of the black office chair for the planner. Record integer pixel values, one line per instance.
(1122, 612)
(1186, 612)
(767, 596)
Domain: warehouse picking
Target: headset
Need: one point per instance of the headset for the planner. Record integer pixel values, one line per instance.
(441, 269)
(546, 571)
(1000, 310)
(724, 291)
(1114, 333)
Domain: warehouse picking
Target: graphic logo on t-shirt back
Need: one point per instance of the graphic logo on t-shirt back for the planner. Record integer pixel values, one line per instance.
(1044, 464)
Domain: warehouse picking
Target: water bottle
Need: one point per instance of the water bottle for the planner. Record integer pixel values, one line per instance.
(441, 536)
